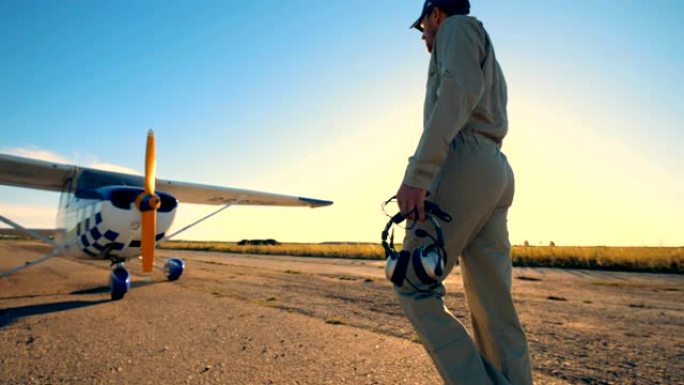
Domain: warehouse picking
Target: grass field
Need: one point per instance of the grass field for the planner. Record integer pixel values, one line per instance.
(650, 259)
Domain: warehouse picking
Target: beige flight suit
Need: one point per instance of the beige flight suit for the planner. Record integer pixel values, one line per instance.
(459, 161)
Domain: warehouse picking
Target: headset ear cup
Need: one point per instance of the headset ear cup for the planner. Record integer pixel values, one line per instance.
(419, 267)
(429, 264)
(439, 265)
(437, 256)
(391, 265)
(398, 275)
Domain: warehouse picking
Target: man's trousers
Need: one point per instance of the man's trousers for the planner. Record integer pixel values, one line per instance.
(476, 187)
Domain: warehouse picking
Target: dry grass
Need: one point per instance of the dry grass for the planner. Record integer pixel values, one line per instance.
(326, 250)
(652, 259)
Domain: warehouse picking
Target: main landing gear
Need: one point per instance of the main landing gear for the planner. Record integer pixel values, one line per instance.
(173, 268)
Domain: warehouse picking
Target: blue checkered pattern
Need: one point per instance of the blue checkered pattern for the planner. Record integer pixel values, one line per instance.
(95, 240)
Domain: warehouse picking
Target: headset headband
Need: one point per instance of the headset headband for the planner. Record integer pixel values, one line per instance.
(431, 208)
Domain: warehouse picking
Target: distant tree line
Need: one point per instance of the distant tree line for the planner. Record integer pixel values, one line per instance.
(269, 242)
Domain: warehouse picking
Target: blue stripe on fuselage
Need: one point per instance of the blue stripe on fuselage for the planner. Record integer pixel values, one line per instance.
(124, 197)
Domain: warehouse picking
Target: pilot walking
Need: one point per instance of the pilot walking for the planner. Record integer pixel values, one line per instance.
(459, 162)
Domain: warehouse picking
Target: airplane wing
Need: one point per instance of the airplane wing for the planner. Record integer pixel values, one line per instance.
(38, 174)
(32, 173)
(214, 195)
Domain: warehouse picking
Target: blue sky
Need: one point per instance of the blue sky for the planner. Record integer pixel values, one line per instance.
(324, 99)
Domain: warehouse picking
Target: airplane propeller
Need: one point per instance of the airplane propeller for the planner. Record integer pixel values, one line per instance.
(148, 203)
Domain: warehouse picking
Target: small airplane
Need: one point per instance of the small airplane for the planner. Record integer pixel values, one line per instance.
(116, 216)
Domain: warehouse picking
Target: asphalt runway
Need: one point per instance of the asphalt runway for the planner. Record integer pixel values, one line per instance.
(248, 319)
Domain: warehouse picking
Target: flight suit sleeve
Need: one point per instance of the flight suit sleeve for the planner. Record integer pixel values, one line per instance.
(459, 50)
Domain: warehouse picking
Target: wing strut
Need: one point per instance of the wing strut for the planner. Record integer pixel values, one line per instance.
(193, 224)
(54, 253)
(27, 231)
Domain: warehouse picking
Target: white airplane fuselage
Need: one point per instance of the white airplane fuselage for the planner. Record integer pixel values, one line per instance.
(107, 224)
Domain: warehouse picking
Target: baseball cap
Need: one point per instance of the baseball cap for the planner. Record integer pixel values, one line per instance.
(450, 7)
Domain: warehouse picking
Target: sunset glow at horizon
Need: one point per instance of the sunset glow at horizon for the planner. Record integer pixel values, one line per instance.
(325, 101)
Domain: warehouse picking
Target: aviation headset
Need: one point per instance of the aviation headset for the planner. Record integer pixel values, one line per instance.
(428, 261)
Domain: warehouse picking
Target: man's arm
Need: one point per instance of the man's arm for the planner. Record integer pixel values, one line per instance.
(459, 50)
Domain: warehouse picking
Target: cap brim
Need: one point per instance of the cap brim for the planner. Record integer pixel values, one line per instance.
(416, 24)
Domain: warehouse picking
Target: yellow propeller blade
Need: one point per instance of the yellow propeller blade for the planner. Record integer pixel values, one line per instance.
(149, 212)
(149, 231)
(150, 164)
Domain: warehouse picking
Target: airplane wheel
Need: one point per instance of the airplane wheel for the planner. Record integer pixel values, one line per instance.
(119, 283)
(174, 268)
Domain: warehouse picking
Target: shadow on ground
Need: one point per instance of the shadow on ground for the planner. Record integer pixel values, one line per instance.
(105, 289)
(8, 316)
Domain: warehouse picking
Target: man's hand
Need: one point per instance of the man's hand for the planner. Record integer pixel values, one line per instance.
(410, 198)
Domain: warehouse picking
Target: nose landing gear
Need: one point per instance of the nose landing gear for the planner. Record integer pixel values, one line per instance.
(119, 281)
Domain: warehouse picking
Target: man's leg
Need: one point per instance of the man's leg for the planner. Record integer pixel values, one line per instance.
(446, 340)
(486, 269)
